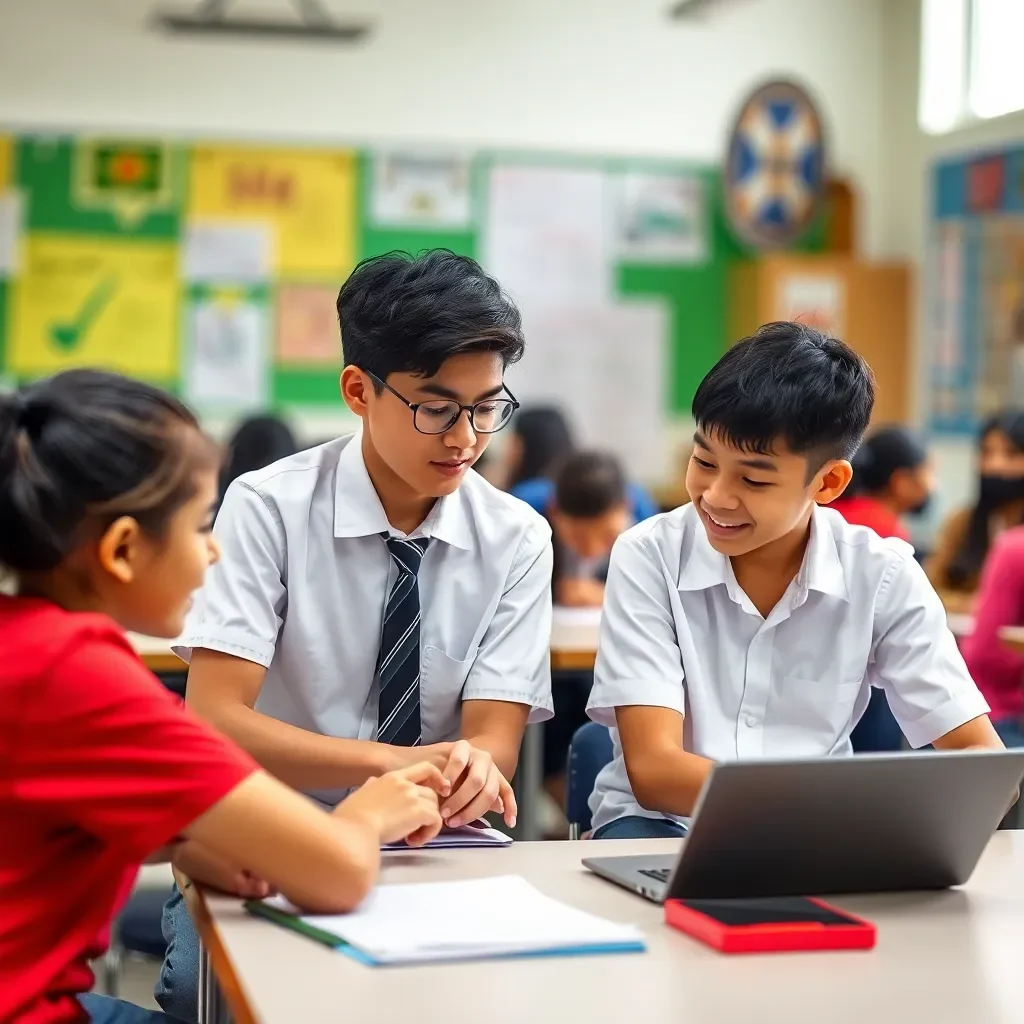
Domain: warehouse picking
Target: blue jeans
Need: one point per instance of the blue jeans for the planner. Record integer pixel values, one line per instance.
(877, 731)
(177, 991)
(1010, 731)
(636, 827)
(105, 1010)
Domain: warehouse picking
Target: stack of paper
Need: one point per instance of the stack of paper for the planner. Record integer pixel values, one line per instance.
(469, 920)
(474, 834)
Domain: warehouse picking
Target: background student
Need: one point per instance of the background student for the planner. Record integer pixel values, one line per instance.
(106, 491)
(892, 478)
(999, 671)
(587, 510)
(377, 602)
(257, 442)
(762, 616)
(540, 437)
(964, 539)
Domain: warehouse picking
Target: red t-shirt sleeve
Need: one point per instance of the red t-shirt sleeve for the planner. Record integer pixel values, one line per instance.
(104, 745)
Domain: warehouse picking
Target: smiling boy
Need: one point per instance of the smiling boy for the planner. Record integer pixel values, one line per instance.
(753, 622)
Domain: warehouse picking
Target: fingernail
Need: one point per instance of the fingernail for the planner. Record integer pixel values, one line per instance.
(512, 822)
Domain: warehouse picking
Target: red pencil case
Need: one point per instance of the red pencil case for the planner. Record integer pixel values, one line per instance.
(776, 924)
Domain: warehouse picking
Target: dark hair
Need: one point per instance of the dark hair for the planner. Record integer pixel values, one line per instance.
(546, 439)
(589, 484)
(404, 314)
(969, 558)
(881, 455)
(258, 441)
(789, 382)
(88, 445)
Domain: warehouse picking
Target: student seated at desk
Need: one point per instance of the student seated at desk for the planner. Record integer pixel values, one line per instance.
(892, 478)
(954, 566)
(587, 511)
(999, 671)
(106, 492)
(377, 602)
(752, 622)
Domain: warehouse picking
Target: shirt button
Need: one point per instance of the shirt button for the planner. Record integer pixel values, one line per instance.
(751, 721)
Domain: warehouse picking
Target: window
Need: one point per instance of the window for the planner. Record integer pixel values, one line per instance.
(971, 63)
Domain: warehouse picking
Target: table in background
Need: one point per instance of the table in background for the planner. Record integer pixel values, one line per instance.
(1013, 637)
(945, 957)
(156, 654)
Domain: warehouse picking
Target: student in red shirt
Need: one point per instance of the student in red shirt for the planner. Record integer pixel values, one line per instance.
(106, 491)
(892, 478)
(999, 671)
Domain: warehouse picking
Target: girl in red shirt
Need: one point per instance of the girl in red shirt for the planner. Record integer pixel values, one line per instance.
(106, 492)
(892, 478)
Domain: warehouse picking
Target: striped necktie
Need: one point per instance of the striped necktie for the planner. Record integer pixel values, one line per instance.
(398, 664)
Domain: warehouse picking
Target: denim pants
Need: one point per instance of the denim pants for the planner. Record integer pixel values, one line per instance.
(635, 826)
(177, 991)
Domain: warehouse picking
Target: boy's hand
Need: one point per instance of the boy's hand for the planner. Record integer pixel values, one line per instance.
(402, 804)
(476, 787)
(202, 865)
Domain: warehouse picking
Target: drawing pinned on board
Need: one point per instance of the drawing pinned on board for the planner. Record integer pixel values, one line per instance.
(69, 334)
(217, 253)
(815, 299)
(307, 326)
(661, 217)
(227, 351)
(422, 190)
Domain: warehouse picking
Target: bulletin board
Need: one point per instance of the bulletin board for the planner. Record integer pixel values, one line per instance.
(976, 289)
(212, 269)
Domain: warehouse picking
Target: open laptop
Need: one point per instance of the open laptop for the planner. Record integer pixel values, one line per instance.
(868, 823)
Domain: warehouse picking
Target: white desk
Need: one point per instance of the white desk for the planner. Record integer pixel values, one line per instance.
(942, 958)
(156, 654)
(574, 634)
(1013, 637)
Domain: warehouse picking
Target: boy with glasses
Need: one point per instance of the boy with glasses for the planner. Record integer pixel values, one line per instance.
(377, 603)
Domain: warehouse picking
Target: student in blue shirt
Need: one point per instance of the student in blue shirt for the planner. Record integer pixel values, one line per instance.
(377, 602)
(754, 621)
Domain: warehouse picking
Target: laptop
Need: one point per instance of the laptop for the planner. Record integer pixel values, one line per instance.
(867, 823)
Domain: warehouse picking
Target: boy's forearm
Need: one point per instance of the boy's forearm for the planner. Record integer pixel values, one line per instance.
(303, 760)
(669, 780)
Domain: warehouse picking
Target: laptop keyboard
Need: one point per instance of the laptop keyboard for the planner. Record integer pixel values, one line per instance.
(658, 874)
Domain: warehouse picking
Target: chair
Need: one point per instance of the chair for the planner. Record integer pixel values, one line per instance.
(135, 932)
(590, 750)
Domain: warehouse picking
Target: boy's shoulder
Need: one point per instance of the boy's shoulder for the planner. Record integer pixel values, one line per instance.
(494, 510)
(860, 549)
(298, 471)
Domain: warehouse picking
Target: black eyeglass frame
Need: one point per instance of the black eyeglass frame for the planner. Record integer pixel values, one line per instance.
(471, 409)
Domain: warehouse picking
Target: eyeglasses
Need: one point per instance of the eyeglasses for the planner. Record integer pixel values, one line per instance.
(486, 417)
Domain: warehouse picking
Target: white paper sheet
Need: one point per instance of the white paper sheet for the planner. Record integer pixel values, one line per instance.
(227, 354)
(605, 364)
(660, 218)
(547, 234)
(421, 189)
(10, 232)
(220, 253)
(816, 299)
(458, 920)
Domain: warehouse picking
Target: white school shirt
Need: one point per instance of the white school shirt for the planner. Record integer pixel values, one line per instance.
(304, 577)
(679, 632)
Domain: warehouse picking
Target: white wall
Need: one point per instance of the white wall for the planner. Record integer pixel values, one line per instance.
(904, 203)
(600, 76)
(592, 75)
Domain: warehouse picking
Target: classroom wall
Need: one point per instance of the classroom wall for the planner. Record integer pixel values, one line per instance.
(601, 76)
(908, 156)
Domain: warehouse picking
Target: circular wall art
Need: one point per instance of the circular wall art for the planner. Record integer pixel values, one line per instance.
(775, 166)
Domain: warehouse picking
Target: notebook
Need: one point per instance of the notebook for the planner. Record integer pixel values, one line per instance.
(477, 919)
(476, 833)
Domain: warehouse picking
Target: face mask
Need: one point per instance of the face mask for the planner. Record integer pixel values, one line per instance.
(921, 507)
(1001, 490)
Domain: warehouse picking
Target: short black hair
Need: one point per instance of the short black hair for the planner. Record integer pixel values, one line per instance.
(589, 484)
(792, 383)
(883, 453)
(407, 314)
(546, 438)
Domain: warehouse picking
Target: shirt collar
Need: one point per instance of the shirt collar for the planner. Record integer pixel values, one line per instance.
(359, 513)
(702, 567)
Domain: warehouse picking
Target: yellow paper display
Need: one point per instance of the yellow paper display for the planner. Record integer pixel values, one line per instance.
(95, 302)
(5, 162)
(308, 198)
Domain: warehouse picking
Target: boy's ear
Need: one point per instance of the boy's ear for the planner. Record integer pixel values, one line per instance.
(832, 479)
(119, 549)
(356, 389)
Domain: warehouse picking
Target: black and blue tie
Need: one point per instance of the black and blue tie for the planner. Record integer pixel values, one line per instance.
(398, 664)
